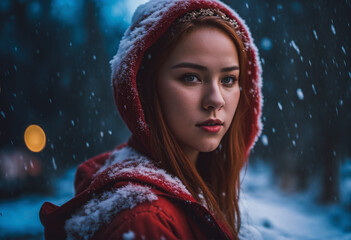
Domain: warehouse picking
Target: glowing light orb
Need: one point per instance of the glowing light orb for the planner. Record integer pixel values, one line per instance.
(34, 138)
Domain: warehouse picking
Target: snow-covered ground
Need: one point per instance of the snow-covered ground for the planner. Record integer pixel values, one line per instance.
(267, 213)
(277, 215)
(19, 219)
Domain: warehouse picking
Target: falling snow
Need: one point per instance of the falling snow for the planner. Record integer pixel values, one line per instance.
(333, 29)
(292, 44)
(266, 43)
(54, 163)
(264, 139)
(315, 34)
(314, 89)
(128, 235)
(280, 106)
(343, 50)
(300, 94)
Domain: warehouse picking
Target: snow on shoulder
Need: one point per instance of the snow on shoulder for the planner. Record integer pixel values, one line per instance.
(128, 235)
(101, 210)
(127, 162)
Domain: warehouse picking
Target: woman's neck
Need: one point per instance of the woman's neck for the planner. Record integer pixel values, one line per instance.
(191, 154)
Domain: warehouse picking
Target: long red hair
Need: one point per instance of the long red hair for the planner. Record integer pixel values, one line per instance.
(216, 175)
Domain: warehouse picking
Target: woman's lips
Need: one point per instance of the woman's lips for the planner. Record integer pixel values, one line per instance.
(212, 129)
(211, 125)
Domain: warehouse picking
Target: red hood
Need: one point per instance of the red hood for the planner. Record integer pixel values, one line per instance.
(149, 22)
(127, 164)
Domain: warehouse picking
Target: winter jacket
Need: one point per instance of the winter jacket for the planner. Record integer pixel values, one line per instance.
(123, 194)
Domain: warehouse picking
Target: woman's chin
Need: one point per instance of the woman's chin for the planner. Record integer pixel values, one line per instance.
(209, 147)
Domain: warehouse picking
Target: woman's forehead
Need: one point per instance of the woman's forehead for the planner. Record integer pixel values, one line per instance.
(206, 45)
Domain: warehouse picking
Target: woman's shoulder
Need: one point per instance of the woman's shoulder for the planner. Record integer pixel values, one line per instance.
(152, 217)
(130, 210)
(129, 193)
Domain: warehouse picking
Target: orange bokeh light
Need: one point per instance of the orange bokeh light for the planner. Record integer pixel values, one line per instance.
(34, 138)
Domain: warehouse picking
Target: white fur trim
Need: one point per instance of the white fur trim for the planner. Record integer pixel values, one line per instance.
(101, 210)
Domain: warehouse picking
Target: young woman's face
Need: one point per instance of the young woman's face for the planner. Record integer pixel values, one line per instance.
(199, 89)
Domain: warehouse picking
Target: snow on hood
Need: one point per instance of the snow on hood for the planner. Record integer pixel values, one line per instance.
(149, 22)
(127, 163)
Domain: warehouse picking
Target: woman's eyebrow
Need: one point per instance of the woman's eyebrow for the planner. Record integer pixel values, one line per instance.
(190, 65)
(202, 68)
(229, 69)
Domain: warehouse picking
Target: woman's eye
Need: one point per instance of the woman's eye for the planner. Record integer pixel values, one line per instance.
(229, 80)
(190, 78)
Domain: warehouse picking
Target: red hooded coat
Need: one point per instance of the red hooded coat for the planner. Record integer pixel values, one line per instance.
(122, 194)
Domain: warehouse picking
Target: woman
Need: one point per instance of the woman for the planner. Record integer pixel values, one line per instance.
(186, 81)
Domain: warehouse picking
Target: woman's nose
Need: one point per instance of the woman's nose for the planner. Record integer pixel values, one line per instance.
(212, 98)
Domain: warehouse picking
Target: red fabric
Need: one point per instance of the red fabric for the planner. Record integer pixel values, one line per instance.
(174, 215)
(167, 218)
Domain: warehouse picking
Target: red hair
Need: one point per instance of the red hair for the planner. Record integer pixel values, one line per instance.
(217, 174)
